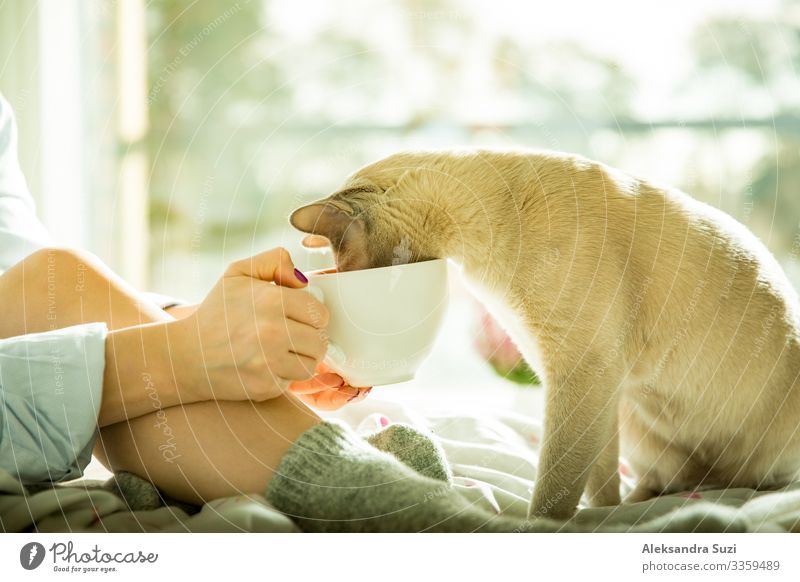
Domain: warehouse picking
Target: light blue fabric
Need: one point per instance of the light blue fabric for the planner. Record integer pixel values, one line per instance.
(50, 383)
(21, 233)
(50, 389)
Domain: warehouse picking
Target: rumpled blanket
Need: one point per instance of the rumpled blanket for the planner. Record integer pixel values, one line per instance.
(492, 458)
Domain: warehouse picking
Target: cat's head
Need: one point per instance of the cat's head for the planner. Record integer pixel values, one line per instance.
(383, 215)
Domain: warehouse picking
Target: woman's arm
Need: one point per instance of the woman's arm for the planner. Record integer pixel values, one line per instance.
(181, 311)
(247, 340)
(144, 372)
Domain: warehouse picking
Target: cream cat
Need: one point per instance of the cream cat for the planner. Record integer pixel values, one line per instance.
(658, 323)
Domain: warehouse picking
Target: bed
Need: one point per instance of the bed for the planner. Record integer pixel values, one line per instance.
(494, 459)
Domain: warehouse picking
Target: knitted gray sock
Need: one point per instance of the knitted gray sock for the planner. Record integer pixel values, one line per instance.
(333, 480)
(138, 493)
(412, 447)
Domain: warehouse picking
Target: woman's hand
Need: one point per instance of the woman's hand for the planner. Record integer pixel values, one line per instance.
(327, 390)
(255, 332)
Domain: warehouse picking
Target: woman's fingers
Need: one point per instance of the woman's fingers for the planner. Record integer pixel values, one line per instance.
(273, 265)
(292, 367)
(319, 383)
(328, 400)
(335, 398)
(316, 241)
(306, 340)
(301, 306)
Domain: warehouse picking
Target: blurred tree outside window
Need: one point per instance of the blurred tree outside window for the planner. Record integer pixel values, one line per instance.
(258, 106)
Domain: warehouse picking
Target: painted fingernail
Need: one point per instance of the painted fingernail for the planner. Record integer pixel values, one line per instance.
(300, 277)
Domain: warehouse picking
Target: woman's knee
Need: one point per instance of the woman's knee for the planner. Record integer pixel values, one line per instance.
(60, 286)
(56, 262)
(57, 270)
(41, 291)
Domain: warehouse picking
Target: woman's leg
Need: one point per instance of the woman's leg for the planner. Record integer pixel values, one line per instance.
(209, 449)
(56, 288)
(193, 453)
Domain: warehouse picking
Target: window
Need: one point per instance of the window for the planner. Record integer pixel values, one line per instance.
(183, 134)
(256, 107)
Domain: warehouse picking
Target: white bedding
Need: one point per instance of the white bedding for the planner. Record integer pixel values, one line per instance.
(493, 457)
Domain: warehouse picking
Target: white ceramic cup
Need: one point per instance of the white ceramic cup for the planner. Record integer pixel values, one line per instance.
(384, 321)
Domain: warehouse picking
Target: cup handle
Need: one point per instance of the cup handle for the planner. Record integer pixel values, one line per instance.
(334, 357)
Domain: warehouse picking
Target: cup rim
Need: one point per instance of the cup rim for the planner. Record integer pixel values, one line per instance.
(328, 271)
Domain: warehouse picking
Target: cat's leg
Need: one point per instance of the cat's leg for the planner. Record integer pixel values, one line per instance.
(579, 416)
(656, 460)
(603, 485)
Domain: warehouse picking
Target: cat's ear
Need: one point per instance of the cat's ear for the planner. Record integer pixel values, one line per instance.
(335, 221)
(324, 218)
